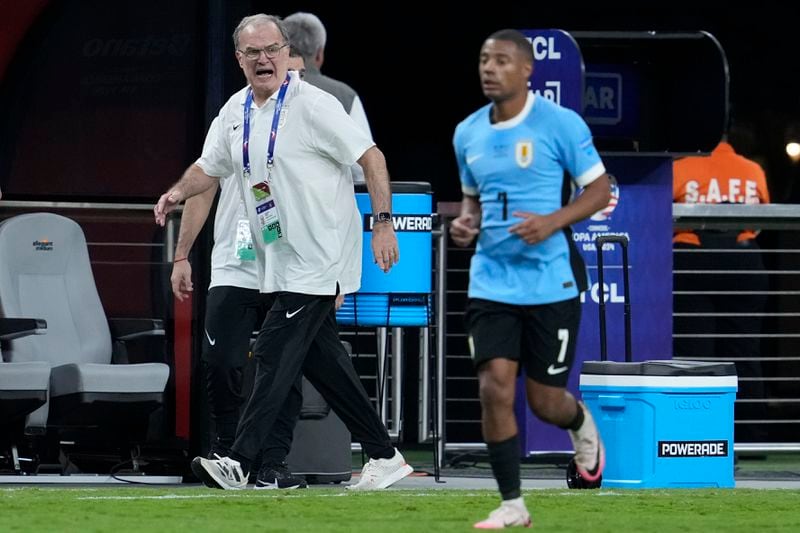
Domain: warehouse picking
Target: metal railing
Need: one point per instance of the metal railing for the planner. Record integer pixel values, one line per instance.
(768, 402)
(458, 404)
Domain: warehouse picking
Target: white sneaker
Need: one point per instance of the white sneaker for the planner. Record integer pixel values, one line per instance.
(220, 473)
(380, 473)
(509, 514)
(590, 455)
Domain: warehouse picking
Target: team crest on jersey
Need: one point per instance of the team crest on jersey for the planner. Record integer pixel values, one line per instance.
(524, 153)
(282, 118)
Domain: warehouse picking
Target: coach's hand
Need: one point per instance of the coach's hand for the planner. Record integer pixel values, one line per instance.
(385, 249)
(168, 202)
(181, 279)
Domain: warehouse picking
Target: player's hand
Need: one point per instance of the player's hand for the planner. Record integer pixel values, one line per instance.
(168, 202)
(534, 228)
(181, 279)
(339, 302)
(385, 250)
(463, 230)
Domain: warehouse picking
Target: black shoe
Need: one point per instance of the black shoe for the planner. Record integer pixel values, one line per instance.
(219, 448)
(277, 476)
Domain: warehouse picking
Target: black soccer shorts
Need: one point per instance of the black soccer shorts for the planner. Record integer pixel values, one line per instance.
(541, 338)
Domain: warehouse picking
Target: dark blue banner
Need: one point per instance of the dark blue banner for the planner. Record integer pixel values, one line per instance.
(557, 67)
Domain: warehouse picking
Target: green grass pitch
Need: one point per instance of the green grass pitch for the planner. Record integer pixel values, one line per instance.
(192, 510)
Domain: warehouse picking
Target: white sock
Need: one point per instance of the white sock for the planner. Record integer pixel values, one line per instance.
(519, 503)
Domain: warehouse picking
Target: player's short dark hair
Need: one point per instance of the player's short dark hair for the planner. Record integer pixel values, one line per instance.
(516, 37)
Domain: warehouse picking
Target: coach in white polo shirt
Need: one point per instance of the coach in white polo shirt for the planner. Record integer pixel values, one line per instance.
(288, 146)
(234, 309)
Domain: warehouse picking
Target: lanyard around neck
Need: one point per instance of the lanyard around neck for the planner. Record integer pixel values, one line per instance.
(273, 134)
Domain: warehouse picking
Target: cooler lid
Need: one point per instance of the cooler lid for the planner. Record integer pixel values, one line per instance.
(402, 187)
(659, 368)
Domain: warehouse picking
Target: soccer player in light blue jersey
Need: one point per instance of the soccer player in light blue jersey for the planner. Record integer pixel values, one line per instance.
(526, 276)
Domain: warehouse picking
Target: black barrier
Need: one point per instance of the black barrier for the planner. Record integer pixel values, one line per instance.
(653, 91)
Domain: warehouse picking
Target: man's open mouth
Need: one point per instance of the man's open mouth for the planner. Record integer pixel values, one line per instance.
(264, 71)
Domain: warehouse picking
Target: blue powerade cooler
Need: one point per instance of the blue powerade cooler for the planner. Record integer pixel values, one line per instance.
(665, 424)
(401, 297)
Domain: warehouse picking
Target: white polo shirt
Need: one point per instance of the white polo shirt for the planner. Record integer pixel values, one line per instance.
(227, 270)
(311, 183)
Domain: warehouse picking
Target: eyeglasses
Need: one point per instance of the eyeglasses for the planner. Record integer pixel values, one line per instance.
(270, 51)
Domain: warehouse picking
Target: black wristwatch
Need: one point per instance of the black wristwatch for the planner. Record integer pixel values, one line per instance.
(383, 216)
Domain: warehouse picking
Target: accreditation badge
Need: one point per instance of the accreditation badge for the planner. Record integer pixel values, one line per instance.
(244, 242)
(266, 213)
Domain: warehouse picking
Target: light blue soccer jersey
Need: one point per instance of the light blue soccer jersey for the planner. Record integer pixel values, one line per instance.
(519, 165)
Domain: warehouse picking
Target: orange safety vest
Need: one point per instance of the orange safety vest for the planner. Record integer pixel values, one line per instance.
(722, 177)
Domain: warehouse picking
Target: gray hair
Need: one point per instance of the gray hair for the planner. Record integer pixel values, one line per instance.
(306, 32)
(259, 20)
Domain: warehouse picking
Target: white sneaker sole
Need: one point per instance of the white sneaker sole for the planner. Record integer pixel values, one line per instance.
(486, 524)
(207, 473)
(396, 476)
(388, 481)
(276, 487)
